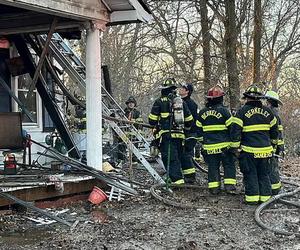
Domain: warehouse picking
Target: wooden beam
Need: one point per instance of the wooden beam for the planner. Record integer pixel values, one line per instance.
(43, 193)
(30, 22)
(75, 9)
(42, 59)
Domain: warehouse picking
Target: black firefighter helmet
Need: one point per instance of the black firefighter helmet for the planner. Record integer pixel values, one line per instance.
(131, 99)
(253, 92)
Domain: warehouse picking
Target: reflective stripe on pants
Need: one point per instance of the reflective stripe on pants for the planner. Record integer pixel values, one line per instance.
(214, 161)
(175, 173)
(256, 176)
(187, 164)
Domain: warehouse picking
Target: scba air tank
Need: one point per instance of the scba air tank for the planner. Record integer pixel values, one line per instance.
(178, 112)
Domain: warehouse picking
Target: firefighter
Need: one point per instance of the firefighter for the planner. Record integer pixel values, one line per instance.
(132, 114)
(273, 103)
(214, 123)
(188, 168)
(254, 130)
(173, 117)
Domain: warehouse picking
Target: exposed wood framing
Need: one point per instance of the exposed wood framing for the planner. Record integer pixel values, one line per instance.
(42, 193)
(42, 57)
(33, 22)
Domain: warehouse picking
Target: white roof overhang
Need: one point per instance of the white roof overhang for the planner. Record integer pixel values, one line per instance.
(112, 11)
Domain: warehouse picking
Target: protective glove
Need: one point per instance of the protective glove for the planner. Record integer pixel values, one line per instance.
(198, 149)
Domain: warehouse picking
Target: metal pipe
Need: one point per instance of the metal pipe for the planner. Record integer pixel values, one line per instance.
(30, 206)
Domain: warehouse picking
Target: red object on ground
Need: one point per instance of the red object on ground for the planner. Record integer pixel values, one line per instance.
(4, 43)
(97, 196)
(10, 164)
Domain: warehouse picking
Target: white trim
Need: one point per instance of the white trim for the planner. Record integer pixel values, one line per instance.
(123, 16)
(142, 14)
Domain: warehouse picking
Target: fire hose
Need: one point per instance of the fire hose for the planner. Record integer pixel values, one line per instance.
(278, 197)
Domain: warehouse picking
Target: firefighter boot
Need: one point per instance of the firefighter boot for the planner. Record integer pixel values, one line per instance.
(214, 191)
(230, 189)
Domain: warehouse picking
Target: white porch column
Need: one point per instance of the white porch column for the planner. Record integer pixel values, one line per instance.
(93, 98)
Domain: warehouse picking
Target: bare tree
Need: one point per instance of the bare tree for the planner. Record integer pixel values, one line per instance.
(257, 40)
(202, 8)
(231, 58)
(282, 41)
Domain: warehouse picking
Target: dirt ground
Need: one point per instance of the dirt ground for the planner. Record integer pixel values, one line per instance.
(219, 222)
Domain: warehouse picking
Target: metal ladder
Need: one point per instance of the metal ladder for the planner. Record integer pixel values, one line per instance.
(75, 68)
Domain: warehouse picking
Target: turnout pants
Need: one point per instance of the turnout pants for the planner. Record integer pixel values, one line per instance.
(214, 162)
(188, 168)
(275, 176)
(172, 148)
(256, 177)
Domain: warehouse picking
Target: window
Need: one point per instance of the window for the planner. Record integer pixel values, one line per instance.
(30, 103)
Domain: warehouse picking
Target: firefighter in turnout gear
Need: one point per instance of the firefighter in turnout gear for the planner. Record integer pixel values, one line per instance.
(273, 103)
(132, 114)
(214, 123)
(188, 168)
(255, 131)
(173, 118)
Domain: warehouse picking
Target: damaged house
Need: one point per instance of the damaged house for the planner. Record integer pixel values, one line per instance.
(33, 53)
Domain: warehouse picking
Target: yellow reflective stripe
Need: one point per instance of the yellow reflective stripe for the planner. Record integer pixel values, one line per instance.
(264, 198)
(213, 184)
(174, 134)
(153, 117)
(238, 121)
(276, 185)
(235, 144)
(280, 127)
(214, 128)
(164, 99)
(280, 142)
(229, 121)
(200, 138)
(256, 127)
(189, 171)
(189, 118)
(177, 136)
(164, 114)
(178, 182)
(198, 124)
(257, 149)
(252, 198)
(229, 181)
(273, 122)
(274, 141)
(216, 145)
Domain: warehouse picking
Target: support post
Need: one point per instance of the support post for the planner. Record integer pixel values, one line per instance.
(93, 98)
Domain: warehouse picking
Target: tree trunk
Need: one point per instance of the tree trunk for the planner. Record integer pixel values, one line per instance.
(206, 45)
(257, 40)
(231, 58)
